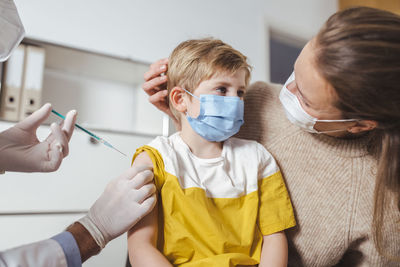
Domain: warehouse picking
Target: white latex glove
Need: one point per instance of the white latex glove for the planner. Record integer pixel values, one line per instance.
(126, 200)
(21, 151)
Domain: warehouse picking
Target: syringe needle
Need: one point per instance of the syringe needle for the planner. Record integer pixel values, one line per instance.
(111, 146)
(90, 133)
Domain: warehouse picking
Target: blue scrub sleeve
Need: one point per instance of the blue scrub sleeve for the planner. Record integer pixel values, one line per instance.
(70, 248)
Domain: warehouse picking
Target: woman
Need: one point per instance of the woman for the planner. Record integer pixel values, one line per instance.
(345, 181)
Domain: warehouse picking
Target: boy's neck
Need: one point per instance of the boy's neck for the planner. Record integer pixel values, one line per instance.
(199, 146)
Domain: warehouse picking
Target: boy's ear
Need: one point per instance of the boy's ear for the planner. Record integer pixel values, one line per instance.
(176, 97)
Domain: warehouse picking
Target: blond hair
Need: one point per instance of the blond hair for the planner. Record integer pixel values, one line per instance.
(197, 60)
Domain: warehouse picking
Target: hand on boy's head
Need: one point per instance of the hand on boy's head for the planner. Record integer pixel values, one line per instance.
(154, 80)
(156, 69)
(154, 86)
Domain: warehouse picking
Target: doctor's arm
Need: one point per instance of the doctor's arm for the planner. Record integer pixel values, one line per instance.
(142, 238)
(274, 251)
(124, 202)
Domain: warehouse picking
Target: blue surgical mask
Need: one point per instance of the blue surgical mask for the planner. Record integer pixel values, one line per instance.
(220, 117)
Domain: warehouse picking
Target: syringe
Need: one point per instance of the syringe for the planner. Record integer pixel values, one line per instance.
(101, 140)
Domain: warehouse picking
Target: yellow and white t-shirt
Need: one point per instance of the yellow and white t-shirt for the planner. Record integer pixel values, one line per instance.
(214, 212)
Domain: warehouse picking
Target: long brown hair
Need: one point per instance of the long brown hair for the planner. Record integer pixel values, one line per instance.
(358, 53)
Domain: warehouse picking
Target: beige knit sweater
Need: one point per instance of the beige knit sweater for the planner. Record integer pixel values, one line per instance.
(331, 184)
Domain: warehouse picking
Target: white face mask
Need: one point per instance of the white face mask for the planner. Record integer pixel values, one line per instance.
(297, 115)
(11, 29)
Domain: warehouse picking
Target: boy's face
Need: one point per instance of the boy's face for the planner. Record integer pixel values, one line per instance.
(224, 84)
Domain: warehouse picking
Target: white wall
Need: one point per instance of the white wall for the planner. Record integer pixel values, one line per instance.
(296, 21)
(149, 30)
(146, 30)
(299, 19)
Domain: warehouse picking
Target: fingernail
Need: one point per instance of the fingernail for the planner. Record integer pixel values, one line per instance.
(53, 125)
(164, 78)
(47, 106)
(59, 146)
(163, 67)
(73, 112)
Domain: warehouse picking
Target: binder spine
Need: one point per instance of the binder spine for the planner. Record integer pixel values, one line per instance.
(33, 81)
(11, 85)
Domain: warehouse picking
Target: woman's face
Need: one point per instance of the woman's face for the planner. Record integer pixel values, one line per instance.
(315, 94)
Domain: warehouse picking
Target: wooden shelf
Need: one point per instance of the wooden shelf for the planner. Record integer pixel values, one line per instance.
(105, 90)
(388, 5)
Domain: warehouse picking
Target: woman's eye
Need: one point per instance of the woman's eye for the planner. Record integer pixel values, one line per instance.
(305, 103)
(222, 90)
(240, 93)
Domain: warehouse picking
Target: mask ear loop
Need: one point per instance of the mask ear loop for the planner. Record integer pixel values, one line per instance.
(187, 114)
(191, 94)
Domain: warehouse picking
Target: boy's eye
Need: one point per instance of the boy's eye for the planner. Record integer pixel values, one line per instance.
(222, 89)
(240, 93)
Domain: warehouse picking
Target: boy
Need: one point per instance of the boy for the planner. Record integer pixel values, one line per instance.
(222, 200)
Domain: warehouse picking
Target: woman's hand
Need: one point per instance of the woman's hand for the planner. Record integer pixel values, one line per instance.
(155, 87)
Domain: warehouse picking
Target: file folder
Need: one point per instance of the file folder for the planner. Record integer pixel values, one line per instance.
(32, 81)
(11, 85)
(1, 74)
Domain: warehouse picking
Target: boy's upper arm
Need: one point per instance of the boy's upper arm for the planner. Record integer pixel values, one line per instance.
(142, 159)
(146, 229)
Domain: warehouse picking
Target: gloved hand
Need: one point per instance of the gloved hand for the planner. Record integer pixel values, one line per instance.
(126, 200)
(21, 151)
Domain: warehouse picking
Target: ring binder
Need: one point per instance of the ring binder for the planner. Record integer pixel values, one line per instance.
(33, 81)
(12, 84)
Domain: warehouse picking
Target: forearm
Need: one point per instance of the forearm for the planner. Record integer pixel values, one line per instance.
(274, 250)
(147, 255)
(87, 245)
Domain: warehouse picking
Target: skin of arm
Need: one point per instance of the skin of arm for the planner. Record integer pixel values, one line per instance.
(142, 238)
(87, 246)
(274, 251)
